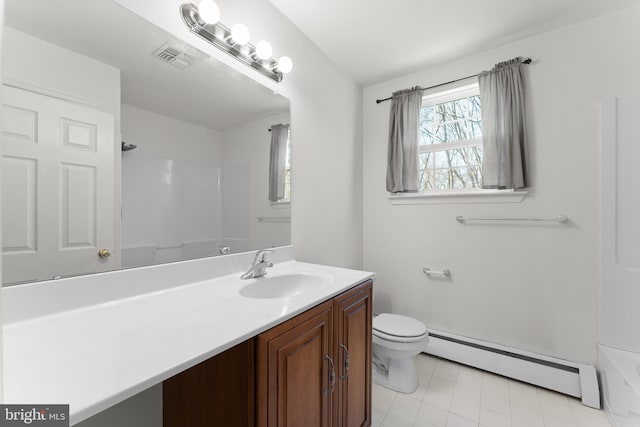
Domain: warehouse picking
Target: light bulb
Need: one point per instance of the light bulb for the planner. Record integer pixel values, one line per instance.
(285, 65)
(209, 11)
(240, 34)
(264, 49)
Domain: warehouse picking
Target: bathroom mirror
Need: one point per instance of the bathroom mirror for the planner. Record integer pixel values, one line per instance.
(83, 83)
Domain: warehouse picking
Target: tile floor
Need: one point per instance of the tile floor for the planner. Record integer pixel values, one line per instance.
(452, 395)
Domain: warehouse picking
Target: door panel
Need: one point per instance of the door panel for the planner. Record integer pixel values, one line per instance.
(19, 201)
(78, 206)
(294, 387)
(353, 356)
(58, 187)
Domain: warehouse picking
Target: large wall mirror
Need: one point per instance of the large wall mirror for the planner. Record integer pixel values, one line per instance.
(81, 77)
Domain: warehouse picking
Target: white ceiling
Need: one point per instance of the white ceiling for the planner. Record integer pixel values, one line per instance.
(375, 40)
(207, 94)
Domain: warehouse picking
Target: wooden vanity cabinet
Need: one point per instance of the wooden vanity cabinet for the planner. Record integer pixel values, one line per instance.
(313, 370)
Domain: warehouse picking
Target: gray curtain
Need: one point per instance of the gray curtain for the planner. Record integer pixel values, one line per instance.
(402, 154)
(277, 161)
(504, 128)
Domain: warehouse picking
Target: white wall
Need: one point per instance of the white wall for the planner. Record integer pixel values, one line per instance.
(528, 286)
(326, 125)
(249, 145)
(165, 137)
(61, 71)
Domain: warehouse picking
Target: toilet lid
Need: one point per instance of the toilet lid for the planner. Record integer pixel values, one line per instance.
(398, 326)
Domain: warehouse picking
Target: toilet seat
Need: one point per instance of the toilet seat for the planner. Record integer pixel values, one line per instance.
(398, 328)
(393, 338)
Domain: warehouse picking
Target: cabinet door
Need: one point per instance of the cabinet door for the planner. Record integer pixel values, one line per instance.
(353, 356)
(295, 366)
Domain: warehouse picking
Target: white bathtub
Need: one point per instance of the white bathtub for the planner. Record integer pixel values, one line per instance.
(620, 383)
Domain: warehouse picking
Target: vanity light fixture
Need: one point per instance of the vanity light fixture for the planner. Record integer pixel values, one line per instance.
(209, 11)
(264, 49)
(240, 34)
(203, 20)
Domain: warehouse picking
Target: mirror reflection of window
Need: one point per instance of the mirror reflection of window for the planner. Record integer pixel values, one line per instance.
(287, 170)
(280, 164)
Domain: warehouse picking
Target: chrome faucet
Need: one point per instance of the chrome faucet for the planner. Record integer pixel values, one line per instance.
(258, 266)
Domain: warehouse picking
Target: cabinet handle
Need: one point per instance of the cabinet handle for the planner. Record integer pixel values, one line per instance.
(346, 362)
(332, 375)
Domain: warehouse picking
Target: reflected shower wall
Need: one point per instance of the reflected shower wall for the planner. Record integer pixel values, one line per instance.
(170, 210)
(189, 191)
(176, 210)
(236, 207)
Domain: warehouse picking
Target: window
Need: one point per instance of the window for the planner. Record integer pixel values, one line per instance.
(280, 164)
(287, 171)
(450, 140)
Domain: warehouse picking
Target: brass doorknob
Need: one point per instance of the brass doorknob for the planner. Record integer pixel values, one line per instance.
(104, 253)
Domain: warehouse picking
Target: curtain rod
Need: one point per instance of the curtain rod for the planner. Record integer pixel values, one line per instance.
(378, 101)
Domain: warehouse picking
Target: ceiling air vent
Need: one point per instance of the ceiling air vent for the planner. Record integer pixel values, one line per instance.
(174, 55)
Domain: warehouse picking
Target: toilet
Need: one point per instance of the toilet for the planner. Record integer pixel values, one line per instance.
(397, 340)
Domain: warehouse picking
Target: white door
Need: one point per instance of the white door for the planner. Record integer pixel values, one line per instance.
(57, 187)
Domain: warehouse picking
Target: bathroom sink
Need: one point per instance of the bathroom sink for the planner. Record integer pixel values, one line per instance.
(282, 286)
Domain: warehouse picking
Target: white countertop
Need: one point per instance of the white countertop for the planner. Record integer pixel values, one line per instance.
(98, 351)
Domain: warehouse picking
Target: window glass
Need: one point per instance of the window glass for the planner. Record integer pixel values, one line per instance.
(287, 171)
(450, 141)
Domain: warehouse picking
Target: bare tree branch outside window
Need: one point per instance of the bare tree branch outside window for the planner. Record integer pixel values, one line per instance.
(450, 145)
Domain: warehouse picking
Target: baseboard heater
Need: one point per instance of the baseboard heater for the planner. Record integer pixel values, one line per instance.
(566, 377)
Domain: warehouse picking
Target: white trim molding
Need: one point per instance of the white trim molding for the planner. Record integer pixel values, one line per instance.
(53, 94)
(573, 379)
(458, 197)
(281, 204)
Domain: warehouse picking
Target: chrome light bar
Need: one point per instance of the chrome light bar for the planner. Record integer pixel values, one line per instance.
(220, 36)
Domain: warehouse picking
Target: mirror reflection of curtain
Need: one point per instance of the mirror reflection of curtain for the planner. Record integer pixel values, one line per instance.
(278, 161)
(504, 129)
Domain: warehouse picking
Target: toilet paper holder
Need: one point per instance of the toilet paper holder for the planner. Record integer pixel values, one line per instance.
(445, 272)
